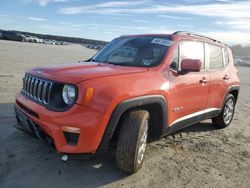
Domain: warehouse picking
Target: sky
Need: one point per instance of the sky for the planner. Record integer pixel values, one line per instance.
(225, 20)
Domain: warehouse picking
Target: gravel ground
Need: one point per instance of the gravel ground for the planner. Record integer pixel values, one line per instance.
(198, 156)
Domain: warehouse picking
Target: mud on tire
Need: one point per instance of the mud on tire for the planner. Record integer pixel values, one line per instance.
(132, 139)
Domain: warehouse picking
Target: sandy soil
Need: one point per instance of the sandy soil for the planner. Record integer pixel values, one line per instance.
(199, 156)
(16, 57)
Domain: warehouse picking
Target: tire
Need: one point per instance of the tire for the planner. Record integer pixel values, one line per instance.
(132, 140)
(226, 115)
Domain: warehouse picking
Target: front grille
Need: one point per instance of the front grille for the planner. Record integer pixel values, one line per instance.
(37, 89)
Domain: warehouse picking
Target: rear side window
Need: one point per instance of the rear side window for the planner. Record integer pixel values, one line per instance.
(214, 56)
(226, 59)
(192, 50)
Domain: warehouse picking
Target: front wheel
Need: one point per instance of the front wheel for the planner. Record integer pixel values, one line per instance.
(132, 141)
(226, 115)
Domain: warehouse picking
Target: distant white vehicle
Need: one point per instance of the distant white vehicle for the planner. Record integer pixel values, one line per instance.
(28, 38)
(38, 40)
(237, 61)
(242, 60)
(46, 41)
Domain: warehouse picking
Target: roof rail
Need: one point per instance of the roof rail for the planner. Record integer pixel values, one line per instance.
(195, 34)
(124, 35)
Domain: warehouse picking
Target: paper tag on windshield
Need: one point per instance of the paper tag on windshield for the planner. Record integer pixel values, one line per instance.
(162, 42)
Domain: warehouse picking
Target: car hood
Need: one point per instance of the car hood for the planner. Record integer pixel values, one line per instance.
(77, 72)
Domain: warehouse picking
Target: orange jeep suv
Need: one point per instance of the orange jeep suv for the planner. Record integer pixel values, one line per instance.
(138, 88)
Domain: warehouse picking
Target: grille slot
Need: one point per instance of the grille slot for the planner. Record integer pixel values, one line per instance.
(37, 89)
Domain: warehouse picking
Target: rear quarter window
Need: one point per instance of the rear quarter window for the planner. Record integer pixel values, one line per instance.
(215, 57)
(226, 58)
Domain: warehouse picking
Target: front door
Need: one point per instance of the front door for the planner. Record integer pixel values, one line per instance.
(188, 91)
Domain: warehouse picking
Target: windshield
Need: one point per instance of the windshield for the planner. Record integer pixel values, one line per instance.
(142, 51)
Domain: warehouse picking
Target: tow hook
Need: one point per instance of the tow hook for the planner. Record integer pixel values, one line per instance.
(64, 158)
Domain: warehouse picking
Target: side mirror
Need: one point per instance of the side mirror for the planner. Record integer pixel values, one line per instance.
(191, 65)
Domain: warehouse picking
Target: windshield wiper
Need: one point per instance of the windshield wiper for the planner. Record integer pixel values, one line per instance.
(128, 64)
(108, 62)
(113, 63)
(123, 64)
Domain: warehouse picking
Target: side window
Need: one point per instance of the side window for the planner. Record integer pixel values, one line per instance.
(214, 56)
(226, 59)
(192, 50)
(175, 62)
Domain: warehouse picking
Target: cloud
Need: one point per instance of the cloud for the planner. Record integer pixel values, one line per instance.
(119, 4)
(48, 27)
(243, 24)
(229, 10)
(38, 19)
(44, 3)
(232, 37)
(230, 15)
(174, 17)
(227, 17)
(107, 6)
(140, 21)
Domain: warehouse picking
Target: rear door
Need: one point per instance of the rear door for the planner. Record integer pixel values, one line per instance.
(219, 74)
(188, 91)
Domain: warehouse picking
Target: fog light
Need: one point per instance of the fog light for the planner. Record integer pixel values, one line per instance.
(71, 138)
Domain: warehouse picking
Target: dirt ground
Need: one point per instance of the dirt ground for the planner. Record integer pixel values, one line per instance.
(198, 156)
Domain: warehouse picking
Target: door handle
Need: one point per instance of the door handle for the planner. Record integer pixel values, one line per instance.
(203, 80)
(226, 77)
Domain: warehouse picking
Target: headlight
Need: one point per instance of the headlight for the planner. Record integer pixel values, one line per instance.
(69, 94)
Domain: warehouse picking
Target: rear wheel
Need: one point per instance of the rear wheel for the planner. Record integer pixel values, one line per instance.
(132, 141)
(226, 115)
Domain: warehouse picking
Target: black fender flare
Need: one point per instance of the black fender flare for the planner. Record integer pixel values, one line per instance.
(229, 90)
(233, 88)
(125, 105)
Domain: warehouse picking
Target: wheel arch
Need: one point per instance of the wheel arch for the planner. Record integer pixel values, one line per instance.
(156, 105)
(234, 90)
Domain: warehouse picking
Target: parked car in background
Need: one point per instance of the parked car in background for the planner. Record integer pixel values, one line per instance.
(46, 41)
(38, 40)
(28, 38)
(90, 46)
(65, 43)
(93, 46)
(11, 35)
(96, 47)
(57, 42)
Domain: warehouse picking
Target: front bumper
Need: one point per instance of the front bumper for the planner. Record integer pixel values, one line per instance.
(91, 123)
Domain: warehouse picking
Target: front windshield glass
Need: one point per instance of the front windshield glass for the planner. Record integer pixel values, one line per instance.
(141, 51)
